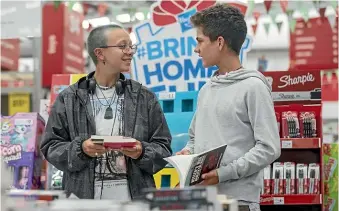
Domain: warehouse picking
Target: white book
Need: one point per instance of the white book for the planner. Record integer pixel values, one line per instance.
(191, 167)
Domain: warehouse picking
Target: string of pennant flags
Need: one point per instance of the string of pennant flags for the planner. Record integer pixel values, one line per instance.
(292, 9)
(272, 8)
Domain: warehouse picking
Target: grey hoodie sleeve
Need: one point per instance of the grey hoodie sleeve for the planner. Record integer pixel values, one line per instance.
(267, 147)
(190, 144)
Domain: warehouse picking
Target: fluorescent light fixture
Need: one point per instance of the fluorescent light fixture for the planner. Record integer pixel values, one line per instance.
(85, 24)
(124, 18)
(95, 22)
(140, 16)
(78, 7)
(133, 37)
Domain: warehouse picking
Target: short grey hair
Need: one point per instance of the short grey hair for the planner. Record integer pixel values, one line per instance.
(97, 38)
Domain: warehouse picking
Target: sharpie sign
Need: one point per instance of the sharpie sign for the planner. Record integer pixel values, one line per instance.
(165, 59)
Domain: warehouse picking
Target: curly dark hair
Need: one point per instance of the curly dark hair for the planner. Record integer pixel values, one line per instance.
(222, 20)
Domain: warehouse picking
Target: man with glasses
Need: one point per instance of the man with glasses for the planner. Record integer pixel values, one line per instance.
(105, 103)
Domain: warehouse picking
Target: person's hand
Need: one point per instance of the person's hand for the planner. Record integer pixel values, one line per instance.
(93, 150)
(210, 178)
(134, 152)
(183, 152)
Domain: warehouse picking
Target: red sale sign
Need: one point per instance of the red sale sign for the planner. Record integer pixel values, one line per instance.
(10, 54)
(62, 42)
(314, 45)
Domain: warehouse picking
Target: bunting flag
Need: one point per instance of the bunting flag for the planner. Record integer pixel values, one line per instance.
(56, 4)
(102, 8)
(334, 4)
(71, 4)
(289, 14)
(256, 16)
(332, 19)
(268, 4)
(316, 4)
(322, 12)
(283, 5)
(292, 23)
(267, 27)
(254, 28)
(250, 8)
(85, 7)
(279, 25)
(273, 14)
(304, 12)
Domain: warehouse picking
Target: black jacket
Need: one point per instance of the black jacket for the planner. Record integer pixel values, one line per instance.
(71, 122)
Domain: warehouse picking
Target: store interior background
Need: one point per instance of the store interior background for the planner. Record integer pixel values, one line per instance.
(271, 47)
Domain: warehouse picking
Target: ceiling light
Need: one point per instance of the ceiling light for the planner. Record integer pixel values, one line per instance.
(85, 24)
(95, 22)
(133, 37)
(140, 16)
(123, 18)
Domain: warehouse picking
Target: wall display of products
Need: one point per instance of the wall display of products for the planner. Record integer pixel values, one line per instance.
(286, 178)
(297, 97)
(20, 139)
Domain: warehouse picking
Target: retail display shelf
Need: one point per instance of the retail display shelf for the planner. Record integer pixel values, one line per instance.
(306, 199)
(300, 143)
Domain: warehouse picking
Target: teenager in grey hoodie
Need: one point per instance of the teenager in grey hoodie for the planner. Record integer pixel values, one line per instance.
(234, 107)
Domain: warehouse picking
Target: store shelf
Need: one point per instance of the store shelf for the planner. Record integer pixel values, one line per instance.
(300, 143)
(307, 199)
(17, 90)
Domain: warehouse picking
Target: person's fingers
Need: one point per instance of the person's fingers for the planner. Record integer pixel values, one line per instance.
(98, 147)
(132, 149)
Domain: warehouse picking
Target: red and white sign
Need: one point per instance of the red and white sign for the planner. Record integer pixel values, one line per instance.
(59, 83)
(10, 54)
(62, 42)
(295, 86)
(314, 45)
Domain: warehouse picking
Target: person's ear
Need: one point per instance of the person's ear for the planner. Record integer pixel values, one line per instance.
(99, 54)
(221, 43)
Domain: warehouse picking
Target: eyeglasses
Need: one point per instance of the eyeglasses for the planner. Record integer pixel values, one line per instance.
(124, 48)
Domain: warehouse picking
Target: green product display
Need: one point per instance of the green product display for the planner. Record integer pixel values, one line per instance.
(330, 169)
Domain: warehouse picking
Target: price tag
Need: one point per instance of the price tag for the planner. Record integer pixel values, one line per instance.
(278, 200)
(18, 103)
(166, 95)
(286, 144)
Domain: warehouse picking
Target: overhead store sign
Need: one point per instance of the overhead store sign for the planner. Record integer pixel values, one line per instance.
(20, 19)
(165, 59)
(62, 42)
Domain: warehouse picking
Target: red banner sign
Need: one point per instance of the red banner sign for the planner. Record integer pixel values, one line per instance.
(10, 54)
(314, 45)
(295, 86)
(62, 42)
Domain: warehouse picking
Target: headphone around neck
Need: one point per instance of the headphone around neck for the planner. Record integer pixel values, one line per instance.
(119, 85)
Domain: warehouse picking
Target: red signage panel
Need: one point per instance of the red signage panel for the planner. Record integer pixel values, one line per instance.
(10, 54)
(314, 45)
(295, 86)
(62, 42)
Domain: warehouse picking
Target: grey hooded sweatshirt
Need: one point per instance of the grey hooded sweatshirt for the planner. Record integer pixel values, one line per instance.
(237, 109)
